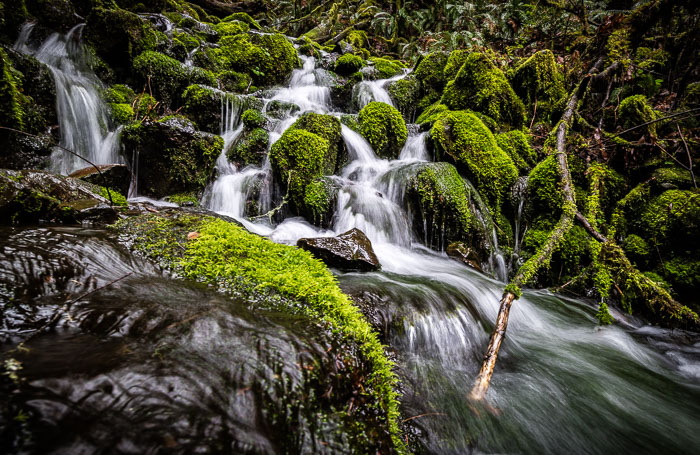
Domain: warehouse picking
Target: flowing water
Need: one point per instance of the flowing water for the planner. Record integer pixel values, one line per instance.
(83, 116)
(562, 385)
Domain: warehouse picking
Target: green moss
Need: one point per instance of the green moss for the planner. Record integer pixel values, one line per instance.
(118, 94)
(618, 47)
(233, 81)
(430, 74)
(437, 197)
(384, 128)
(454, 63)
(430, 115)
(184, 199)
(328, 128)
(384, 69)
(539, 81)
(357, 39)
(482, 87)
(243, 17)
(319, 200)
(673, 177)
(637, 249)
(228, 257)
(348, 64)
(603, 314)
(517, 145)
(672, 218)
(231, 28)
(253, 119)
(683, 274)
(405, 93)
(121, 113)
(351, 121)
(117, 197)
(464, 138)
(635, 110)
(250, 148)
(268, 58)
(11, 113)
(544, 188)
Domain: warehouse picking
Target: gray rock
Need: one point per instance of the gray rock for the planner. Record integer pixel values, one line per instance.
(351, 250)
(115, 176)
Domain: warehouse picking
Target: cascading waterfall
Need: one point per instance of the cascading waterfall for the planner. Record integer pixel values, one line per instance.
(563, 384)
(367, 91)
(82, 115)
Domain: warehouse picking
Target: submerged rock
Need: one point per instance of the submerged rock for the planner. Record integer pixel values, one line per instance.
(463, 253)
(115, 176)
(351, 250)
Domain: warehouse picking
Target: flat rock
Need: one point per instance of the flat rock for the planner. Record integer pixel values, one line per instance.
(351, 250)
(461, 252)
(116, 176)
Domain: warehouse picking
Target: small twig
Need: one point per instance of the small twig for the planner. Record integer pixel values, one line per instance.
(534, 114)
(687, 150)
(442, 414)
(655, 121)
(102, 177)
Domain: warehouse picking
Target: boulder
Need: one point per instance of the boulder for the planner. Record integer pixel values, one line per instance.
(115, 176)
(384, 128)
(463, 253)
(351, 250)
(37, 196)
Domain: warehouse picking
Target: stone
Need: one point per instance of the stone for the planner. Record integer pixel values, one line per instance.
(461, 252)
(351, 250)
(115, 176)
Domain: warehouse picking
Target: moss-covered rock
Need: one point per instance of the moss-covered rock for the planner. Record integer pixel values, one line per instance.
(203, 105)
(249, 148)
(348, 64)
(465, 139)
(167, 77)
(172, 156)
(11, 113)
(252, 119)
(268, 58)
(437, 198)
(342, 91)
(233, 81)
(243, 17)
(384, 128)
(544, 188)
(231, 28)
(670, 220)
(482, 87)
(428, 117)
(382, 68)
(327, 127)
(635, 110)
(637, 250)
(539, 80)
(279, 110)
(454, 63)
(405, 94)
(430, 72)
(517, 145)
(118, 36)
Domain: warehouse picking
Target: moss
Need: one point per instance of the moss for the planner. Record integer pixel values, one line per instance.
(250, 148)
(117, 197)
(437, 197)
(482, 87)
(430, 74)
(121, 113)
(539, 81)
(517, 145)
(669, 177)
(231, 28)
(603, 314)
(637, 249)
(544, 189)
(430, 115)
(167, 77)
(253, 119)
(357, 39)
(635, 110)
(672, 219)
(618, 47)
(184, 199)
(328, 128)
(351, 121)
(233, 81)
(464, 138)
(226, 256)
(11, 113)
(384, 128)
(348, 64)
(297, 159)
(118, 94)
(319, 198)
(243, 17)
(405, 93)
(684, 275)
(454, 63)
(384, 68)
(268, 58)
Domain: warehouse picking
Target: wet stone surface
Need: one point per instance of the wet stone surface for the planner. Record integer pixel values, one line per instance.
(351, 250)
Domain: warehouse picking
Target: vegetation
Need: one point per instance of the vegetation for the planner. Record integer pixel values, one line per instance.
(384, 128)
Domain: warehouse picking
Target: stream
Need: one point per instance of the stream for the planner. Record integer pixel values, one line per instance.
(563, 384)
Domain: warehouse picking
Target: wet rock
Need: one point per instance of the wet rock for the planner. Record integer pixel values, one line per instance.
(172, 156)
(351, 250)
(115, 176)
(202, 104)
(463, 253)
(33, 196)
(281, 109)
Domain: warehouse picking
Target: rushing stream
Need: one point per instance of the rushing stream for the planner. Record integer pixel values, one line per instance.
(562, 385)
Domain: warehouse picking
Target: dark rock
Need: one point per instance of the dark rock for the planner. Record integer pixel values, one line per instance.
(32, 196)
(281, 109)
(351, 250)
(172, 156)
(341, 91)
(115, 176)
(461, 252)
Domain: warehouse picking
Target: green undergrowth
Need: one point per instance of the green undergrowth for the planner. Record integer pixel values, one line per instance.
(224, 255)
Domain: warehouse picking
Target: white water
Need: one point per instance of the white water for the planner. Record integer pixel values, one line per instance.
(367, 91)
(82, 115)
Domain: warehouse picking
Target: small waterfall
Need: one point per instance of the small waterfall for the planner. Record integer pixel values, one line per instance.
(415, 148)
(367, 91)
(82, 115)
(306, 88)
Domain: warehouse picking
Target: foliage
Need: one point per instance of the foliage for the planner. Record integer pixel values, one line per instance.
(517, 145)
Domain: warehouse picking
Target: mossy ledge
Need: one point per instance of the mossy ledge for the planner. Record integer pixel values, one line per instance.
(222, 254)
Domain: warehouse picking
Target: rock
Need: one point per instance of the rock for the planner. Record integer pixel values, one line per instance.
(202, 105)
(33, 196)
(351, 250)
(384, 128)
(463, 253)
(281, 109)
(173, 157)
(115, 176)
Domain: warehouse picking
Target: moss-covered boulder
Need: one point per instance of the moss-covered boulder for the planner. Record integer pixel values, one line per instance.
(454, 63)
(464, 138)
(327, 127)
(167, 77)
(298, 160)
(348, 64)
(539, 80)
(279, 110)
(250, 148)
(437, 199)
(253, 118)
(203, 105)
(482, 87)
(517, 145)
(342, 91)
(635, 110)
(430, 115)
(382, 68)
(11, 113)
(118, 36)
(384, 128)
(430, 72)
(268, 58)
(173, 157)
(405, 94)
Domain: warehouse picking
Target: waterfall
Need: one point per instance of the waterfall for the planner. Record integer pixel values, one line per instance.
(82, 115)
(367, 91)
